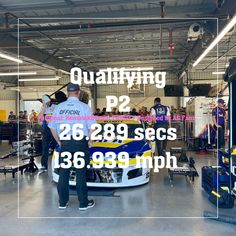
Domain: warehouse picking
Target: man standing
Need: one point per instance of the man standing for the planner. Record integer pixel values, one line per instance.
(218, 117)
(134, 112)
(73, 108)
(25, 115)
(45, 115)
(162, 115)
(12, 117)
(21, 117)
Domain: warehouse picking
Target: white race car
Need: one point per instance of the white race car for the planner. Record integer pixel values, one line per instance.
(116, 177)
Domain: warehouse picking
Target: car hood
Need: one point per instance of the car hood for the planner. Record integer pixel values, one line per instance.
(130, 146)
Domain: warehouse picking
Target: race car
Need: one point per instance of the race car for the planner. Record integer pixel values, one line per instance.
(116, 177)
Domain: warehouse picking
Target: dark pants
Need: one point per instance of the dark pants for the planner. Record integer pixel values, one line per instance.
(221, 137)
(73, 146)
(46, 140)
(161, 144)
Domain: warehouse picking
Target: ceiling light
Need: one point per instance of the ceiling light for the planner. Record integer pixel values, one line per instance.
(182, 75)
(39, 79)
(2, 55)
(216, 40)
(218, 73)
(16, 73)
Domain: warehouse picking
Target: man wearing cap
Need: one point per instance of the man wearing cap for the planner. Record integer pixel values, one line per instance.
(218, 117)
(73, 108)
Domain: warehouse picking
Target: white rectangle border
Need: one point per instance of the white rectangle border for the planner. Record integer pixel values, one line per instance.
(18, 102)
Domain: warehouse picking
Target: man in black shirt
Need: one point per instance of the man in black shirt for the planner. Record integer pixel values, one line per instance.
(11, 117)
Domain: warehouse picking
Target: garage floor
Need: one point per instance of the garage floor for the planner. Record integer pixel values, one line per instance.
(38, 199)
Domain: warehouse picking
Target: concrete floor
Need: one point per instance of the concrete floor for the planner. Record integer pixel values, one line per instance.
(38, 199)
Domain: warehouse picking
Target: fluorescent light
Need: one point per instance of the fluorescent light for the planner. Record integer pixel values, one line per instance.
(2, 55)
(217, 40)
(39, 79)
(182, 75)
(16, 73)
(128, 69)
(218, 73)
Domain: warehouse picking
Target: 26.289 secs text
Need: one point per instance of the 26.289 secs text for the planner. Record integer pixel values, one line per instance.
(119, 131)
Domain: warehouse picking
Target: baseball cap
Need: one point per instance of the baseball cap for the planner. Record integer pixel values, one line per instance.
(73, 87)
(221, 101)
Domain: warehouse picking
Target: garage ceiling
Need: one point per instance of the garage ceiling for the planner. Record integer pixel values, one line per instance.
(48, 44)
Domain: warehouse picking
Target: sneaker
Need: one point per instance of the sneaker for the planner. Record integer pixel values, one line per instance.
(90, 204)
(62, 207)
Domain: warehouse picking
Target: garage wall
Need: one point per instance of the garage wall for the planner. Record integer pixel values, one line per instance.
(7, 106)
(7, 102)
(32, 105)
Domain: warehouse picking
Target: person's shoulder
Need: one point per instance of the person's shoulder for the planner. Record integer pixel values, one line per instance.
(223, 110)
(84, 105)
(62, 104)
(59, 106)
(214, 110)
(153, 107)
